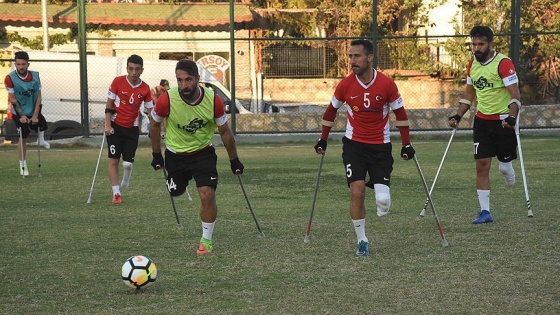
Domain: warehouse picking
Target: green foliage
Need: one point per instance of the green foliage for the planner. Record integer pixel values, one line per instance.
(55, 39)
(339, 18)
(37, 42)
(410, 54)
(99, 29)
(539, 63)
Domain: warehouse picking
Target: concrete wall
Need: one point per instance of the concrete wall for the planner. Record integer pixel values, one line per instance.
(535, 116)
(423, 92)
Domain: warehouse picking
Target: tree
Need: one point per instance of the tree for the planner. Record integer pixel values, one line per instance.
(336, 18)
(539, 64)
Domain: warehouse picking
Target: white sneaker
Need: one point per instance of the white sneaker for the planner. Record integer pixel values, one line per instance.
(23, 171)
(44, 144)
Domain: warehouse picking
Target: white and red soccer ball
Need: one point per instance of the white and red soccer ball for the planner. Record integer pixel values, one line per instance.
(139, 272)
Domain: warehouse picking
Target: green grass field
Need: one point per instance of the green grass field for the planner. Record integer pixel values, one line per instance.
(62, 256)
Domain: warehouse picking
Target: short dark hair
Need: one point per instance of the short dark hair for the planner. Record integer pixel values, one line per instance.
(136, 60)
(368, 46)
(164, 83)
(482, 32)
(21, 55)
(187, 65)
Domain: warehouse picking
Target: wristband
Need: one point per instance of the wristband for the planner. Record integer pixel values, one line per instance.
(110, 110)
(465, 101)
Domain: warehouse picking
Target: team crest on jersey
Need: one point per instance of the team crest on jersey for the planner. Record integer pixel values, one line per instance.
(355, 108)
(28, 92)
(193, 126)
(482, 83)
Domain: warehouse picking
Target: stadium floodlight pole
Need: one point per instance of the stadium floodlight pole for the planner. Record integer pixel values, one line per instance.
(307, 237)
(440, 229)
(22, 152)
(179, 225)
(261, 233)
(423, 212)
(529, 210)
(96, 168)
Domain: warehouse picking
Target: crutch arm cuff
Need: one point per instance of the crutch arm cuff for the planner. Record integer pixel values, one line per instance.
(515, 101)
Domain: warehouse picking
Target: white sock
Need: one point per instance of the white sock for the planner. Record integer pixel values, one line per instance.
(360, 227)
(116, 190)
(484, 199)
(207, 230)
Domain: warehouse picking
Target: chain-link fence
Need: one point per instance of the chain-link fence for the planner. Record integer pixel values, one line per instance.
(279, 85)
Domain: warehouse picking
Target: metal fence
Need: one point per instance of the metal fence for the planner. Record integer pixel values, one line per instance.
(279, 85)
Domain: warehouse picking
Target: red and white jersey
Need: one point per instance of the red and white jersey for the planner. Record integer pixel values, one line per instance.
(127, 100)
(368, 107)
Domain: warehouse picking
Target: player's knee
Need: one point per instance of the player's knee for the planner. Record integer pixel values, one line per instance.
(127, 165)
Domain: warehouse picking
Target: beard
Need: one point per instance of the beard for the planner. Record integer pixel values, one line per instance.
(187, 92)
(357, 70)
(481, 56)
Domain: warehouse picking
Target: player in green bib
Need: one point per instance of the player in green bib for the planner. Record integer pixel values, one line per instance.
(492, 80)
(193, 113)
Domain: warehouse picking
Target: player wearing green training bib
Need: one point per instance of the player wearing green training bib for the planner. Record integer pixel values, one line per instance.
(193, 113)
(492, 80)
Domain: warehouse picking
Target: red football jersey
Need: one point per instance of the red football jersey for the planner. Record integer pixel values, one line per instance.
(127, 100)
(368, 107)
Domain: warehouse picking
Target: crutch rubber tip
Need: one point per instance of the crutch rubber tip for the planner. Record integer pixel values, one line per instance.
(530, 213)
(422, 213)
(306, 239)
(444, 243)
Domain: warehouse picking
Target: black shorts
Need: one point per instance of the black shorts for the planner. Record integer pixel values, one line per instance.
(374, 159)
(181, 168)
(124, 141)
(491, 139)
(26, 128)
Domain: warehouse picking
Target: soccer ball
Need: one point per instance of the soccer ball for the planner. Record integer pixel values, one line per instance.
(139, 272)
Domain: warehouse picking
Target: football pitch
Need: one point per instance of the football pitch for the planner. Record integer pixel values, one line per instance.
(63, 256)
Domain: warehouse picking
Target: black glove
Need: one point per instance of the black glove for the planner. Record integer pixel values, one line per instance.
(321, 144)
(157, 161)
(236, 166)
(407, 152)
(456, 117)
(510, 120)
